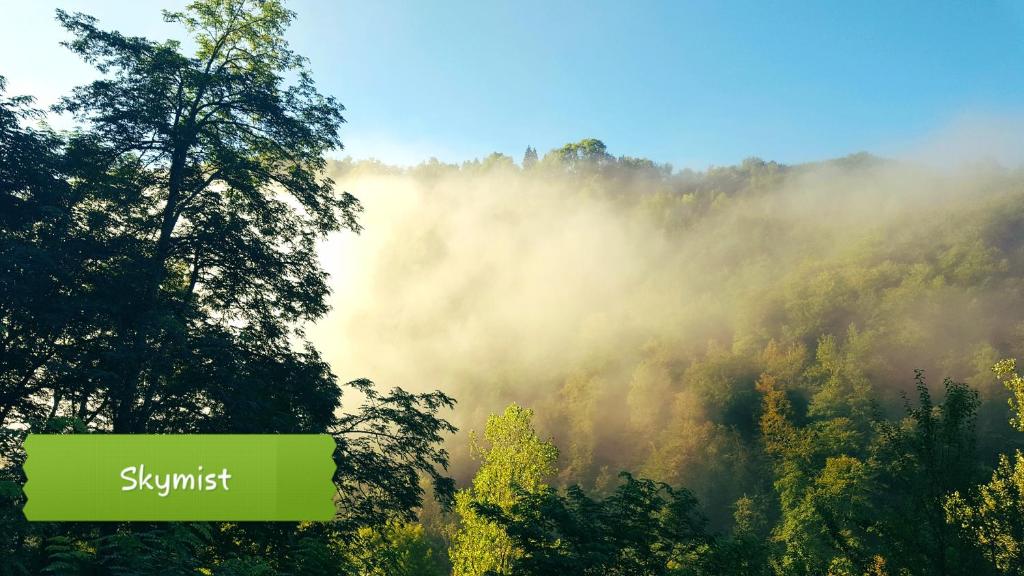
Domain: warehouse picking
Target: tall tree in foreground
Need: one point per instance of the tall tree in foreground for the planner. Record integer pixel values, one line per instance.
(217, 204)
(194, 193)
(515, 463)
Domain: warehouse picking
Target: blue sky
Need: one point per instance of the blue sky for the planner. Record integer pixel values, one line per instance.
(691, 83)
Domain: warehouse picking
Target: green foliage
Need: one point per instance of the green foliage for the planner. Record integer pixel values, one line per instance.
(921, 460)
(851, 497)
(44, 309)
(145, 550)
(514, 462)
(746, 551)
(823, 479)
(212, 177)
(1006, 371)
(643, 528)
(992, 515)
(396, 549)
(383, 450)
(587, 154)
(157, 269)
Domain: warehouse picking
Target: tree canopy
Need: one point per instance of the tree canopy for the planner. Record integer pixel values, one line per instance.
(159, 265)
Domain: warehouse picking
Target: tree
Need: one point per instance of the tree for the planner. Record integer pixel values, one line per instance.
(395, 549)
(496, 161)
(1006, 371)
(40, 295)
(644, 528)
(514, 462)
(529, 158)
(224, 197)
(921, 460)
(992, 514)
(160, 262)
(384, 449)
(587, 154)
(825, 490)
(746, 550)
(45, 311)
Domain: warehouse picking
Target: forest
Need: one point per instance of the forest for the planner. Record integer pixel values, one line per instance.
(566, 363)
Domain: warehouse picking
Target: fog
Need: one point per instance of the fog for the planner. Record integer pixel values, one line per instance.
(596, 294)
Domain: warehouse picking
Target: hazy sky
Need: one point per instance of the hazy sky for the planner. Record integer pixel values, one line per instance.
(692, 83)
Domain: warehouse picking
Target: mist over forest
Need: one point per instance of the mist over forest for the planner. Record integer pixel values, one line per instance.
(570, 363)
(635, 307)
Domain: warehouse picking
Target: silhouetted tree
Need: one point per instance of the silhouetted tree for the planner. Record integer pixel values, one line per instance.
(224, 197)
(159, 265)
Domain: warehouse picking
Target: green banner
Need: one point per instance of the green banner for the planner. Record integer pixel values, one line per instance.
(231, 477)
